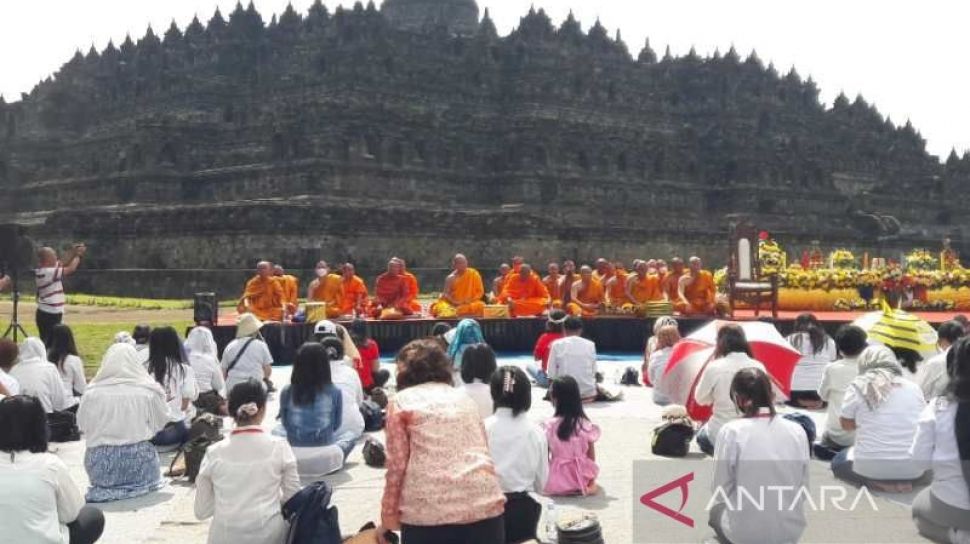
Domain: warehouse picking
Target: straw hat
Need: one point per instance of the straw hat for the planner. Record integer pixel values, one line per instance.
(247, 325)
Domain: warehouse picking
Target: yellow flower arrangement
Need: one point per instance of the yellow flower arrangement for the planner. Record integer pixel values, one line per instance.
(843, 259)
(772, 258)
(921, 260)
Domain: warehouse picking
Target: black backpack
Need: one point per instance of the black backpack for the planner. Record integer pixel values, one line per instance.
(62, 427)
(203, 433)
(630, 377)
(672, 439)
(312, 519)
(373, 416)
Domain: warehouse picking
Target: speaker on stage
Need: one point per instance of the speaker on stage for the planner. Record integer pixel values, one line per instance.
(205, 309)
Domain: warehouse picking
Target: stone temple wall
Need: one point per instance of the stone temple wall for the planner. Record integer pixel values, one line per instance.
(184, 158)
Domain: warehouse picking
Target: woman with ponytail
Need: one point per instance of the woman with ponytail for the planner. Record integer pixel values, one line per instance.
(818, 351)
(519, 450)
(942, 442)
(246, 478)
(754, 453)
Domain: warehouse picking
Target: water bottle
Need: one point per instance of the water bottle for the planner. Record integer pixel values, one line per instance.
(552, 534)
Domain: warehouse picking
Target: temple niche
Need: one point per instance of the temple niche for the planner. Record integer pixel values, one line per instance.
(416, 129)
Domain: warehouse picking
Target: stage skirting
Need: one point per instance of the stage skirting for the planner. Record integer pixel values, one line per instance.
(832, 300)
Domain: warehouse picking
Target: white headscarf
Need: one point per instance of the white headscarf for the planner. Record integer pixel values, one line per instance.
(879, 371)
(124, 337)
(201, 342)
(121, 365)
(32, 351)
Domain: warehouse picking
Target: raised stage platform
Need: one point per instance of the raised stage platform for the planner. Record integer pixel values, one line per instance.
(611, 334)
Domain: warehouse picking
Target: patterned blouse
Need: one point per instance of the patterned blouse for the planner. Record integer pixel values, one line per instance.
(439, 471)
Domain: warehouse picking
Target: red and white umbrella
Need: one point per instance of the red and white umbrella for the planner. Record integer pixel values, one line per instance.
(692, 354)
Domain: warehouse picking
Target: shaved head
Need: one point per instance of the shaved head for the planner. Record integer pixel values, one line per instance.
(278, 270)
(504, 268)
(459, 262)
(46, 256)
(526, 270)
(585, 270)
(553, 268)
(264, 268)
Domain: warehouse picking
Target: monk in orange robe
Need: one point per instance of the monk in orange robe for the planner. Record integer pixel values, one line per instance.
(615, 286)
(327, 288)
(588, 294)
(355, 292)
(498, 284)
(643, 287)
(524, 293)
(671, 280)
(553, 283)
(413, 289)
(391, 293)
(263, 296)
(697, 291)
(291, 288)
(463, 292)
(604, 270)
(569, 277)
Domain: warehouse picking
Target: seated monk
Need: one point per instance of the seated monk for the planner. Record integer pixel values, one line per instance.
(327, 288)
(291, 288)
(670, 284)
(604, 270)
(642, 287)
(569, 277)
(355, 292)
(463, 292)
(498, 284)
(524, 293)
(588, 295)
(413, 289)
(615, 287)
(391, 293)
(263, 296)
(553, 283)
(697, 293)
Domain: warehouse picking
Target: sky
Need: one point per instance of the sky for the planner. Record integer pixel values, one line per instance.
(908, 58)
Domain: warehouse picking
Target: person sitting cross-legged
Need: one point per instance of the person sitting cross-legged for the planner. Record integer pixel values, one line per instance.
(851, 342)
(463, 292)
(883, 409)
(39, 502)
(588, 296)
(524, 293)
(392, 294)
(9, 352)
(121, 411)
(575, 356)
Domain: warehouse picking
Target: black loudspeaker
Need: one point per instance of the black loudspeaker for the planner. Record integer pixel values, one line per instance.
(16, 250)
(205, 309)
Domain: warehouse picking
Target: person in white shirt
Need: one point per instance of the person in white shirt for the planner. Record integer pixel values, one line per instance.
(141, 334)
(9, 352)
(731, 354)
(166, 363)
(121, 411)
(346, 379)
(247, 356)
(209, 381)
(519, 450)
(40, 504)
(665, 338)
(818, 350)
(755, 455)
(883, 409)
(851, 341)
(478, 365)
(38, 378)
(62, 352)
(574, 356)
(246, 478)
(931, 376)
(942, 443)
(50, 289)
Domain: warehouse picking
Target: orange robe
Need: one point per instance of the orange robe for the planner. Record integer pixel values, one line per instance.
(329, 289)
(391, 291)
(700, 295)
(616, 293)
(354, 290)
(645, 289)
(265, 298)
(413, 290)
(291, 288)
(593, 293)
(555, 290)
(466, 287)
(527, 298)
(669, 286)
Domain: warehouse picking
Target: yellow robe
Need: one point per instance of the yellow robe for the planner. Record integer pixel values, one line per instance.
(593, 293)
(527, 298)
(466, 287)
(555, 290)
(329, 289)
(646, 289)
(700, 295)
(291, 288)
(616, 294)
(265, 298)
(355, 295)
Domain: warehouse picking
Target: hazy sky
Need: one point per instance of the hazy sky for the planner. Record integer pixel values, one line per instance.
(909, 58)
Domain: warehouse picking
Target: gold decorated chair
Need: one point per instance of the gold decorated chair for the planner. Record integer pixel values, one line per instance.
(745, 283)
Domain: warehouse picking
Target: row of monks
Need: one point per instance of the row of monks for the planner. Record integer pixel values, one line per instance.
(606, 287)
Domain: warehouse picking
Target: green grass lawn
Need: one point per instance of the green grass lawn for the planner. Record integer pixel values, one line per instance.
(93, 339)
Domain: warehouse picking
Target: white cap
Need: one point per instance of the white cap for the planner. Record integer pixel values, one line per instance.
(325, 327)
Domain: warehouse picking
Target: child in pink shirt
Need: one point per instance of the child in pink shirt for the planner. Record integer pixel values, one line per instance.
(572, 459)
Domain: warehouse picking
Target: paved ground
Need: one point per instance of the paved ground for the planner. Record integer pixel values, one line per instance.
(166, 516)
